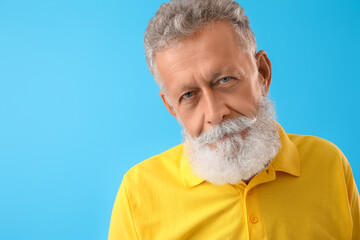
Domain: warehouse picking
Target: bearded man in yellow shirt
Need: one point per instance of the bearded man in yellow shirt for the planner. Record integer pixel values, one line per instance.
(238, 175)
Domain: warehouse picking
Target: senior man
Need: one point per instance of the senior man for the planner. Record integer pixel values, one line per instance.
(237, 175)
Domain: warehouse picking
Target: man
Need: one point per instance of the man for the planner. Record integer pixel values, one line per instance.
(238, 175)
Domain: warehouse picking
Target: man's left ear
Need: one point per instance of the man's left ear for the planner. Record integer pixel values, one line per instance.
(264, 68)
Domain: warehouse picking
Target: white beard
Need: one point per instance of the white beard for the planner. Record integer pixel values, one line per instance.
(233, 159)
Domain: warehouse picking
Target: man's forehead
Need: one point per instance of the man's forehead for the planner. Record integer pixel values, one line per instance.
(214, 31)
(219, 40)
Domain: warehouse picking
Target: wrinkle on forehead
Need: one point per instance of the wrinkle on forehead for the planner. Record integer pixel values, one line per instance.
(201, 64)
(203, 55)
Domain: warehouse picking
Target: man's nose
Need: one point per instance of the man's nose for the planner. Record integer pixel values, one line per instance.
(215, 109)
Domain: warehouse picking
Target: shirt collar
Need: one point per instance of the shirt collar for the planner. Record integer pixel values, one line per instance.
(287, 160)
(189, 178)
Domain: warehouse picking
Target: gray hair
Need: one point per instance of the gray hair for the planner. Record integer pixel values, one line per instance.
(178, 19)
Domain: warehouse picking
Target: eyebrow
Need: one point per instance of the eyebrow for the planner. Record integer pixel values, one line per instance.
(185, 88)
(215, 76)
(228, 71)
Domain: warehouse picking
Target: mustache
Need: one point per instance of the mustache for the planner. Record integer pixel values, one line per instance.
(227, 127)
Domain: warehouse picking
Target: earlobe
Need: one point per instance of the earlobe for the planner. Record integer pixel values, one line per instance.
(167, 104)
(265, 72)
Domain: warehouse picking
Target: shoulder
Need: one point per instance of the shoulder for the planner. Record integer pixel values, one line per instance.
(314, 145)
(319, 152)
(157, 168)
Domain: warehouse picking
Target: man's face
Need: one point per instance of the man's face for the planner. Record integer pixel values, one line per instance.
(209, 78)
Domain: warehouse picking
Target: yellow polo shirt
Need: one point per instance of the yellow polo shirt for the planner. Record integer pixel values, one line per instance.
(307, 192)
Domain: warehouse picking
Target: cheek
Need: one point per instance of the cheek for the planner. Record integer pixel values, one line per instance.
(192, 122)
(244, 101)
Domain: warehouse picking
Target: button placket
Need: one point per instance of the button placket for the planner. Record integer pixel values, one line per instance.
(255, 226)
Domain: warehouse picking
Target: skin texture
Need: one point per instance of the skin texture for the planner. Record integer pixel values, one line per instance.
(209, 78)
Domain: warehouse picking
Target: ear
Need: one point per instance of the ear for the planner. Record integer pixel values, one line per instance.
(168, 106)
(264, 67)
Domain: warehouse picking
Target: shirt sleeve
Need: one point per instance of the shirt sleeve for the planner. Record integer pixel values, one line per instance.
(353, 196)
(122, 222)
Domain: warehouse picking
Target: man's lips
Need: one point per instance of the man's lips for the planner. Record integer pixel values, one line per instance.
(223, 138)
(226, 136)
(243, 134)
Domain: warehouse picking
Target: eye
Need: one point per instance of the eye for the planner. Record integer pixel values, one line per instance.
(225, 79)
(226, 82)
(187, 95)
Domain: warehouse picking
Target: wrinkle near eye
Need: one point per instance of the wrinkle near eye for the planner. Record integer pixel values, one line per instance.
(186, 96)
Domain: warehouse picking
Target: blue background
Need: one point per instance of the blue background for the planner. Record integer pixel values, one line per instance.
(78, 106)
